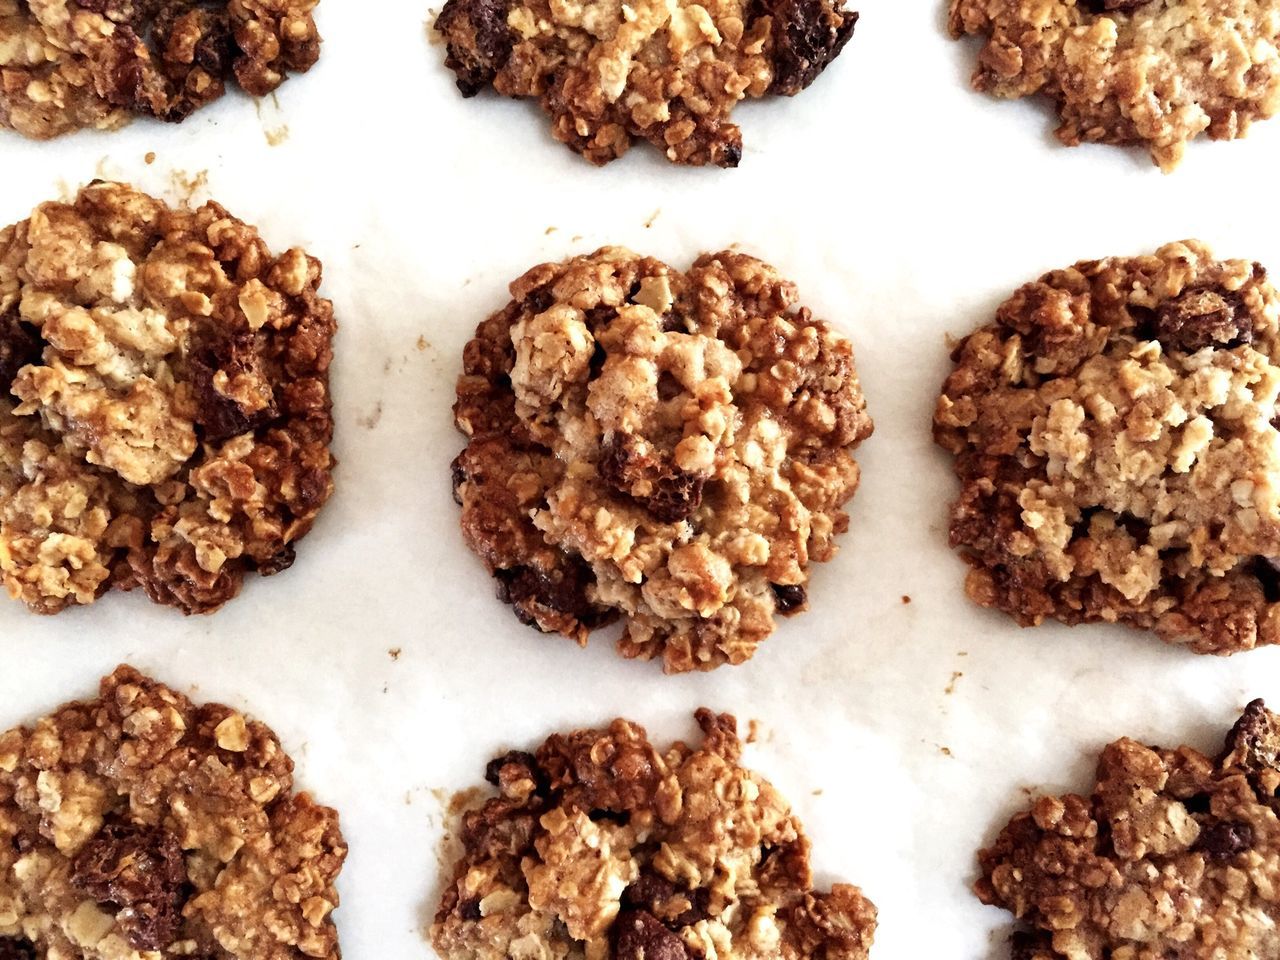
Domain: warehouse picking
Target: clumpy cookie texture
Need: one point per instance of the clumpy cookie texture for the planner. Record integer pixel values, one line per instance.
(1152, 72)
(599, 846)
(68, 64)
(140, 826)
(673, 448)
(1114, 432)
(1173, 855)
(164, 402)
(609, 73)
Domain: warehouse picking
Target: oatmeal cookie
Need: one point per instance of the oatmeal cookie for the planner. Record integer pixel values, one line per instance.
(164, 402)
(1115, 437)
(140, 825)
(674, 448)
(66, 64)
(600, 846)
(609, 72)
(1174, 854)
(1151, 72)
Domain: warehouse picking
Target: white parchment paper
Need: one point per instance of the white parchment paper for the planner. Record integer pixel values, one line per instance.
(905, 207)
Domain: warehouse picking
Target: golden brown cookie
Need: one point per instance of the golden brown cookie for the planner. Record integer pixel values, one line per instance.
(672, 448)
(1114, 432)
(164, 402)
(140, 826)
(1172, 855)
(610, 73)
(66, 64)
(1152, 72)
(599, 845)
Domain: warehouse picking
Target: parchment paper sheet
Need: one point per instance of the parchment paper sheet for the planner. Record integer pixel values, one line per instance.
(905, 207)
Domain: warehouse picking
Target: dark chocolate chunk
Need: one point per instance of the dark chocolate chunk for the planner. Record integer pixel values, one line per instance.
(19, 346)
(478, 40)
(1225, 839)
(140, 874)
(639, 935)
(788, 598)
(1200, 317)
(807, 35)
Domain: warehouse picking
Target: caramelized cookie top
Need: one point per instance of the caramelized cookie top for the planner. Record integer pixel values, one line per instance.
(1152, 72)
(139, 824)
(672, 448)
(609, 72)
(164, 402)
(600, 845)
(1172, 854)
(1113, 433)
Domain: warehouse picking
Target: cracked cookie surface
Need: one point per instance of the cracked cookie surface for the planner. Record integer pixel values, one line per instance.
(67, 64)
(1153, 72)
(1173, 854)
(141, 826)
(673, 448)
(599, 845)
(1114, 434)
(609, 73)
(164, 402)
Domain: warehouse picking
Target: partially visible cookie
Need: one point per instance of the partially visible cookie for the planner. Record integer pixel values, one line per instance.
(67, 64)
(164, 402)
(599, 845)
(1173, 854)
(140, 826)
(1114, 432)
(673, 448)
(1152, 72)
(610, 73)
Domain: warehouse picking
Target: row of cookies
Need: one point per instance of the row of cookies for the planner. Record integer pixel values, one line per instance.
(1148, 72)
(673, 449)
(143, 826)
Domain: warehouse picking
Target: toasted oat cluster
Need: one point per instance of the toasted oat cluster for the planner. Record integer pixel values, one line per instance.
(600, 846)
(609, 72)
(674, 448)
(1115, 437)
(140, 826)
(1173, 854)
(164, 402)
(69, 64)
(1152, 72)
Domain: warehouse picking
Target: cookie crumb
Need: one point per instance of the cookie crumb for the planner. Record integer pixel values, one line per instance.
(951, 684)
(906, 599)
(150, 158)
(394, 653)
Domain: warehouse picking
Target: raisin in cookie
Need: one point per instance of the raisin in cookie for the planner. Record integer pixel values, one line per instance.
(1174, 854)
(1151, 72)
(600, 846)
(674, 448)
(66, 64)
(164, 402)
(609, 73)
(1114, 437)
(140, 825)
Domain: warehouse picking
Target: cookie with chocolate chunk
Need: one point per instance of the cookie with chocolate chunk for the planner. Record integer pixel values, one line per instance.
(1152, 72)
(599, 845)
(609, 74)
(1173, 854)
(672, 448)
(1114, 432)
(164, 402)
(67, 64)
(139, 824)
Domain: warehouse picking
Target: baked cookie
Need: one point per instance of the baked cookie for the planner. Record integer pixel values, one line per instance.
(1173, 854)
(600, 846)
(164, 402)
(609, 73)
(139, 825)
(1151, 72)
(673, 448)
(67, 64)
(1115, 437)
